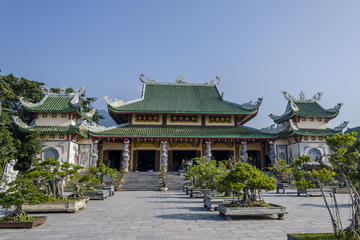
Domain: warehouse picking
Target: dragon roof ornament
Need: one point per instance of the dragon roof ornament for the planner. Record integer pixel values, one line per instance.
(113, 102)
(147, 80)
(302, 97)
(336, 108)
(341, 126)
(215, 81)
(276, 128)
(252, 104)
(90, 113)
(17, 120)
(93, 127)
(293, 106)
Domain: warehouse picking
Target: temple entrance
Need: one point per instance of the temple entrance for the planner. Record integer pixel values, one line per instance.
(112, 158)
(221, 155)
(178, 156)
(255, 158)
(146, 160)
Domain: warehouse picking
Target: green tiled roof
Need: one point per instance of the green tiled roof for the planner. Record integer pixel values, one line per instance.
(184, 132)
(306, 109)
(53, 104)
(50, 129)
(310, 132)
(182, 98)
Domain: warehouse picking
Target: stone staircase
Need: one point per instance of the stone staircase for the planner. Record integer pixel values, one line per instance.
(141, 181)
(146, 181)
(175, 181)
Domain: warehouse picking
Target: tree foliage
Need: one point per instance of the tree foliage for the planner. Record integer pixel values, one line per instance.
(246, 181)
(21, 191)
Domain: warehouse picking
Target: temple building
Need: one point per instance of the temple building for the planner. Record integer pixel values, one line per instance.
(174, 122)
(303, 128)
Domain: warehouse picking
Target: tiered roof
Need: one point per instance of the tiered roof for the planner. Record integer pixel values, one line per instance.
(305, 108)
(181, 98)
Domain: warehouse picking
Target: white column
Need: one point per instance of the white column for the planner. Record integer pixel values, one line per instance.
(244, 154)
(208, 150)
(164, 156)
(271, 152)
(126, 157)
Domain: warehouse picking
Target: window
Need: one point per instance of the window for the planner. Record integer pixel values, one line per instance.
(50, 153)
(44, 115)
(319, 119)
(54, 115)
(62, 136)
(52, 135)
(306, 138)
(63, 115)
(320, 138)
(311, 119)
(303, 119)
(313, 138)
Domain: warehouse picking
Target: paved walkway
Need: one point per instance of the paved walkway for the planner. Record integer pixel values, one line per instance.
(173, 215)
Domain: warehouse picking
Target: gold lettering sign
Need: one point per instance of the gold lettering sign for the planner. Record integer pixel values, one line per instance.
(220, 119)
(184, 119)
(147, 118)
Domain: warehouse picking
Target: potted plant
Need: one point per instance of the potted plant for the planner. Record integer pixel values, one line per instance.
(21, 191)
(283, 172)
(246, 182)
(50, 176)
(100, 173)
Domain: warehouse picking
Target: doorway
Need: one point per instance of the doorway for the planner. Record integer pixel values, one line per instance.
(146, 160)
(221, 155)
(112, 159)
(255, 158)
(178, 156)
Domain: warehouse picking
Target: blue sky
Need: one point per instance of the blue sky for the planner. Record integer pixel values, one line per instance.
(259, 48)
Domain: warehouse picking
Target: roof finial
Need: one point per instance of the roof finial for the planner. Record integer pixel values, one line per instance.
(215, 81)
(180, 79)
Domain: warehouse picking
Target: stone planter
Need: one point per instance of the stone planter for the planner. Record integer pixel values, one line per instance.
(70, 206)
(32, 224)
(286, 188)
(109, 188)
(252, 211)
(198, 193)
(315, 192)
(164, 189)
(212, 202)
(98, 194)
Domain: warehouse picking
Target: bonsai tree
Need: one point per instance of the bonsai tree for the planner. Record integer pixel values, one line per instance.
(283, 171)
(101, 171)
(206, 174)
(51, 176)
(246, 181)
(309, 174)
(21, 191)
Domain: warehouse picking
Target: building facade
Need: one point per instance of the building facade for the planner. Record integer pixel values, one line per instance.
(174, 122)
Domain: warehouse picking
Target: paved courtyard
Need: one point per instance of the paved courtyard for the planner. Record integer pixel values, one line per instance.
(173, 215)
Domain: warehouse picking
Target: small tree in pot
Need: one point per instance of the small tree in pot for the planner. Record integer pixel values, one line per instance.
(21, 191)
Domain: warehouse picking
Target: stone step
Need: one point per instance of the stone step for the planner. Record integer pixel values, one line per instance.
(141, 181)
(176, 181)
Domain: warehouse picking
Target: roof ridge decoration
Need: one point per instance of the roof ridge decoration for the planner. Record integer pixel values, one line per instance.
(18, 121)
(180, 79)
(252, 105)
(341, 126)
(275, 128)
(147, 80)
(75, 102)
(93, 127)
(113, 102)
(302, 97)
(336, 108)
(215, 81)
